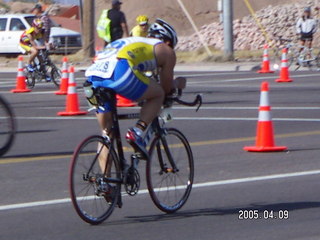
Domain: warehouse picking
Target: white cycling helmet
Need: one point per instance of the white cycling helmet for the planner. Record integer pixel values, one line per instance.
(164, 31)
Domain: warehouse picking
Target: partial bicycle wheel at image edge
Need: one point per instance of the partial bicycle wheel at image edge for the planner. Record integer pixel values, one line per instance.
(170, 183)
(95, 178)
(7, 126)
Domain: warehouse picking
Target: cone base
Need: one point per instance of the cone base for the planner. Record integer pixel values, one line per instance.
(71, 113)
(20, 90)
(284, 80)
(265, 149)
(265, 71)
(126, 105)
(61, 93)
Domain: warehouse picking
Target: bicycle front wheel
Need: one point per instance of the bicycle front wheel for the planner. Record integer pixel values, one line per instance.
(7, 127)
(94, 180)
(170, 171)
(55, 75)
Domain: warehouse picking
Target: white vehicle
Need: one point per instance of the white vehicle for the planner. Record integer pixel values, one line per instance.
(13, 25)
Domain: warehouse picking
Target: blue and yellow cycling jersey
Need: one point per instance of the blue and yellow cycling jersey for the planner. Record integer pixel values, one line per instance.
(122, 64)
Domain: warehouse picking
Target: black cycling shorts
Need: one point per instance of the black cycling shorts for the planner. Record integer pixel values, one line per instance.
(306, 37)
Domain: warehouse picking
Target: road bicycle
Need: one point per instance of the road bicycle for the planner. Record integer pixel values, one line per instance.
(298, 55)
(307, 57)
(7, 126)
(43, 70)
(98, 168)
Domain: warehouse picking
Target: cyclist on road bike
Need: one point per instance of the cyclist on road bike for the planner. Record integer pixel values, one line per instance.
(28, 38)
(140, 30)
(306, 27)
(121, 67)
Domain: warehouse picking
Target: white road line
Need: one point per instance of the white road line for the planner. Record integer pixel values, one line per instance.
(182, 118)
(196, 185)
(246, 119)
(209, 108)
(247, 79)
(211, 74)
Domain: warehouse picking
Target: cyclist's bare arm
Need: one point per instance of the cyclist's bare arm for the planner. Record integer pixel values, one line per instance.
(166, 59)
(33, 43)
(125, 30)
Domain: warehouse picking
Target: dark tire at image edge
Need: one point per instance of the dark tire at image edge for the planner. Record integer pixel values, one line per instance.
(7, 126)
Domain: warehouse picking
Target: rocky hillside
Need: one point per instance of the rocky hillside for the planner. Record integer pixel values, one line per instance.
(278, 17)
(278, 21)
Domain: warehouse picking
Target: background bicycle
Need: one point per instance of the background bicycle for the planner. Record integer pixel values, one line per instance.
(298, 56)
(99, 169)
(7, 126)
(44, 70)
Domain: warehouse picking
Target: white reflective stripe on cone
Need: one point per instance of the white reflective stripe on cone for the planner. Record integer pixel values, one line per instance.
(71, 90)
(64, 66)
(264, 99)
(64, 74)
(284, 56)
(20, 65)
(20, 73)
(264, 116)
(284, 64)
(71, 77)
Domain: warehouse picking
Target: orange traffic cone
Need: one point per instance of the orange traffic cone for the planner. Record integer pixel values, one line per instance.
(265, 68)
(64, 78)
(21, 78)
(124, 102)
(72, 104)
(265, 139)
(284, 73)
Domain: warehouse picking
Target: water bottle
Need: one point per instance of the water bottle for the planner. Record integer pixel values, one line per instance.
(88, 91)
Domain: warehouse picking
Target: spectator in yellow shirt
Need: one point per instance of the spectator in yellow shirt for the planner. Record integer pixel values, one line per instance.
(140, 30)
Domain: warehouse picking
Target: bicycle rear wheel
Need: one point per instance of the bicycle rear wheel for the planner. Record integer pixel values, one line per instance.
(94, 180)
(169, 183)
(30, 79)
(7, 127)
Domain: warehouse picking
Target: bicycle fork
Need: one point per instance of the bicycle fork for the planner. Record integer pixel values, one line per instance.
(164, 168)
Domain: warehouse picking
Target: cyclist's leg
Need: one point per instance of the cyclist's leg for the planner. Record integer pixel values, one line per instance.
(302, 43)
(154, 96)
(34, 53)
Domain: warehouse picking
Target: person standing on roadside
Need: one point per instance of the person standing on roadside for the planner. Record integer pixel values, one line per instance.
(43, 16)
(306, 27)
(118, 26)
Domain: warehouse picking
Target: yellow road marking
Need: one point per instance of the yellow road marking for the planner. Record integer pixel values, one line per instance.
(127, 149)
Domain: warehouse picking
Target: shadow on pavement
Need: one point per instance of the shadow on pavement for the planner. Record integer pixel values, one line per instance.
(217, 212)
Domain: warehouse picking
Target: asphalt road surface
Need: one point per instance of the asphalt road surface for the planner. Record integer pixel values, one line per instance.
(229, 182)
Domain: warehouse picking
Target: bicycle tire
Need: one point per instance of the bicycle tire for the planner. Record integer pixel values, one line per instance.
(314, 65)
(7, 126)
(171, 197)
(91, 203)
(30, 79)
(55, 75)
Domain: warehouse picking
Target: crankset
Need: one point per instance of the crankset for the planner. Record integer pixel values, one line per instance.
(132, 183)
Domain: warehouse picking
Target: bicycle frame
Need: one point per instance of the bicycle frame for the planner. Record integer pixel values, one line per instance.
(108, 95)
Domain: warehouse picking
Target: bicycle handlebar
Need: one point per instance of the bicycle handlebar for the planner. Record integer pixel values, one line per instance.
(196, 101)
